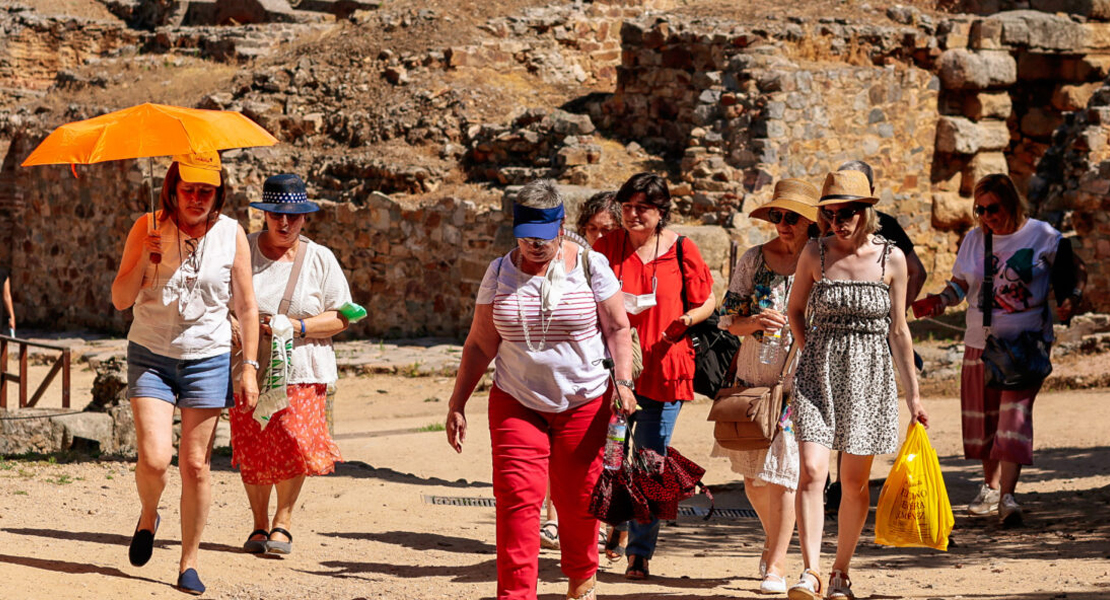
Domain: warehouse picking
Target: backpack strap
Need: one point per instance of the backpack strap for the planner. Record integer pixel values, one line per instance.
(585, 258)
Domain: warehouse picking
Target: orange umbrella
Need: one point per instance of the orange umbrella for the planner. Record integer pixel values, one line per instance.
(148, 130)
(145, 131)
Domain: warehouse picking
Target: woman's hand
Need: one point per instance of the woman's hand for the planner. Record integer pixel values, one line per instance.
(248, 388)
(918, 414)
(932, 305)
(264, 325)
(769, 320)
(456, 428)
(627, 399)
(1064, 311)
(676, 329)
(152, 244)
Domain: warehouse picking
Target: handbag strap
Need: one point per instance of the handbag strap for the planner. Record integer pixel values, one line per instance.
(789, 359)
(294, 274)
(681, 270)
(986, 294)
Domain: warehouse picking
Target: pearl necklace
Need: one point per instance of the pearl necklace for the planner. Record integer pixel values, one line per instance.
(520, 312)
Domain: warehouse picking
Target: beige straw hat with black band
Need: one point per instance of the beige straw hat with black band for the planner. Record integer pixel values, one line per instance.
(794, 195)
(846, 186)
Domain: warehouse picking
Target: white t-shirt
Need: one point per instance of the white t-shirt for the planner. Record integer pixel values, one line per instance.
(563, 374)
(320, 287)
(1023, 263)
(182, 306)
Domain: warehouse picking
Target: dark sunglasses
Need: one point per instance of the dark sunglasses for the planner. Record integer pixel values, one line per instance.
(841, 215)
(987, 209)
(777, 216)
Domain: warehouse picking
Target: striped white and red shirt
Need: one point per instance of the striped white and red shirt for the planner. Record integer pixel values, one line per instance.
(563, 374)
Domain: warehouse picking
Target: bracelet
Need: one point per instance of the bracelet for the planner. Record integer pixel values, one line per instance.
(253, 363)
(302, 328)
(628, 383)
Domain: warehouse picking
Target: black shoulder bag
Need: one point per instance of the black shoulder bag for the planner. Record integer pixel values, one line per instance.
(714, 348)
(1020, 363)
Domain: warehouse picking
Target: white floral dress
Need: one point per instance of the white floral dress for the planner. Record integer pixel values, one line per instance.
(754, 286)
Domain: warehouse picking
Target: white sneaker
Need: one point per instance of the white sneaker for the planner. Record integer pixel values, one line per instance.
(1009, 511)
(985, 504)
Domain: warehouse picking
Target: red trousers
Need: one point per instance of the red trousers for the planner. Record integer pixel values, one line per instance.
(526, 444)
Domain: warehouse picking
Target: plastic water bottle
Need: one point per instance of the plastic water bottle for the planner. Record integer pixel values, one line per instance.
(614, 442)
(772, 345)
(772, 342)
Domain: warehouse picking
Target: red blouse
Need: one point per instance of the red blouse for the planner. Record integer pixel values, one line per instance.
(668, 368)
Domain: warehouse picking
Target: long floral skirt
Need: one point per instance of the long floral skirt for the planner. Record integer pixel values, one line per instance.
(294, 442)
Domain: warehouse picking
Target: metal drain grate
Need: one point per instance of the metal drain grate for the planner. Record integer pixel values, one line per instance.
(683, 511)
(459, 501)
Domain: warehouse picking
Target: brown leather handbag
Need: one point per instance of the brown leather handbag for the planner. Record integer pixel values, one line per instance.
(747, 417)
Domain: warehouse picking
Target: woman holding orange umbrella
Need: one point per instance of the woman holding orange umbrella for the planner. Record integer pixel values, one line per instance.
(181, 268)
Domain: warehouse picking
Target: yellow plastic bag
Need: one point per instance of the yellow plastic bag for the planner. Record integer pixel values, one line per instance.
(913, 505)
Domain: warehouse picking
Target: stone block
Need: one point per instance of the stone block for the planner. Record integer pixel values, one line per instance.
(1041, 31)
(961, 69)
(713, 243)
(84, 428)
(951, 211)
(1073, 97)
(987, 106)
(986, 34)
(980, 165)
(1092, 67)
(1040, 122)
(954, 33)
(1097, 10)
(957, 135)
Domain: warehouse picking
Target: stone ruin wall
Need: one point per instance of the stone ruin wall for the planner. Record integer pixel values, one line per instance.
(1024, 91)
(953, 100)
(741, 114)
(734, 110)
(572, 42)
(416, 267)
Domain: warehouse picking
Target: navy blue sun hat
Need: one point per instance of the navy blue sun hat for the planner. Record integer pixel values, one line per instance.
(543, 223)
(285, 194)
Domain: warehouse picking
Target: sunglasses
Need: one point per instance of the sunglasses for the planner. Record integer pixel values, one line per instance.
(987, 209)
(842, 214)
(777, 216)
(534, 242)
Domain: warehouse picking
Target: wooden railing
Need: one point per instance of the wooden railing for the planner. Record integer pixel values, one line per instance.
(60, 364)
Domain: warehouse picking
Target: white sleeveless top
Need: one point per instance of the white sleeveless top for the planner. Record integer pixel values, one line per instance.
(182, 308)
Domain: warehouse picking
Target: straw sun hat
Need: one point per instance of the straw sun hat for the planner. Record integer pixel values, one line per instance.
(846, 186)
(794, 195)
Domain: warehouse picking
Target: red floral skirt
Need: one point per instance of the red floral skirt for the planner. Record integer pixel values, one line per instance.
(294, 442)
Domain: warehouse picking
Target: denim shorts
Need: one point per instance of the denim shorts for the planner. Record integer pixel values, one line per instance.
(199, 383)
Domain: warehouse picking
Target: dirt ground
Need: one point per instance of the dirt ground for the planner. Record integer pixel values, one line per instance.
(369, 531)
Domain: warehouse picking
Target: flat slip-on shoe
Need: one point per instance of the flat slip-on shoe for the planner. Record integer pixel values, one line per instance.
(189, 582)
(142, 544)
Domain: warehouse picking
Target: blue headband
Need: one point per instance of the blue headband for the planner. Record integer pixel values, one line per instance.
(543, 223)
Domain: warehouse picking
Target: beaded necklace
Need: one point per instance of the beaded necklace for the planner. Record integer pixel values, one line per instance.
(520, 310)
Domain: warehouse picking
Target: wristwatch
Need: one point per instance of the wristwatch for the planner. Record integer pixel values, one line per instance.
(253, 363)
(628, 383)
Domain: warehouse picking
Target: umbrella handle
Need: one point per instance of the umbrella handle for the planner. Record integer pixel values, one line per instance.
(155, 257)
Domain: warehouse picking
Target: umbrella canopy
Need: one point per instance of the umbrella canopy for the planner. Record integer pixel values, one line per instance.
(148, 130)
